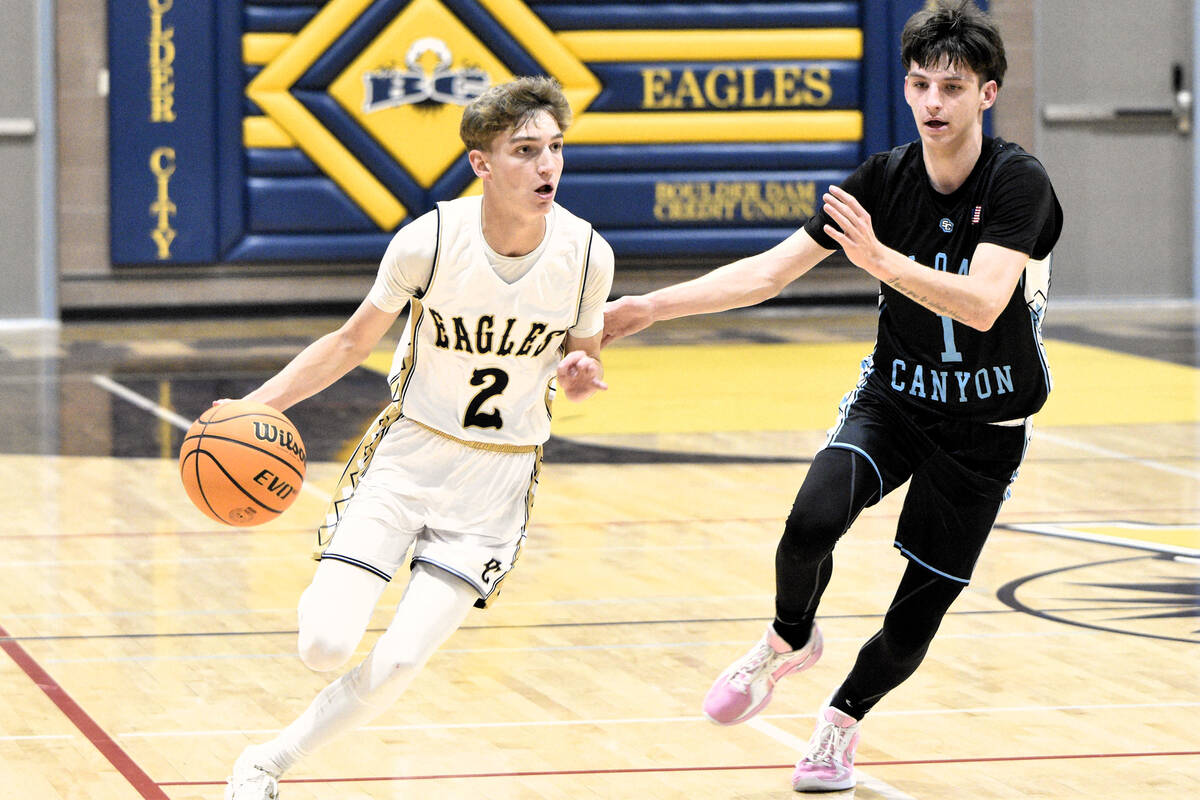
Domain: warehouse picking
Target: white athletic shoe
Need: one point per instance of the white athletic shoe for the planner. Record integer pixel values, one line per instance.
(250, 781)
(828, 766)
(746, 686)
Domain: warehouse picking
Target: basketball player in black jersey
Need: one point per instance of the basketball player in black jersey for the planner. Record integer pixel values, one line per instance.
(958, 229)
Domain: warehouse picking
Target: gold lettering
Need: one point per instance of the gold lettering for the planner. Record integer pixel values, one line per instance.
(689, 88)
(818, 82)
(749, 99)
(716, 96)
(786, 93)
(654, 88)
(733, 201)
(162, 57)
(162, 165)
(732, 87)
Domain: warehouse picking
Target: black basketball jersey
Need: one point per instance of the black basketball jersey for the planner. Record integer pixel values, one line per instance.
(929, 361)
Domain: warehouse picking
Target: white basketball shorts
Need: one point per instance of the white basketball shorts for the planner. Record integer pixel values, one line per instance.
(458, 508)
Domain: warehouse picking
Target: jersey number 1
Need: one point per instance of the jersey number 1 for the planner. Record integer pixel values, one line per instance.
(474, 418)
(951, 353)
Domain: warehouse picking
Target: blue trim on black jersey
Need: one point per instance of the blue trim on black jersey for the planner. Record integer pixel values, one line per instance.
(856, 449)
(909, 555)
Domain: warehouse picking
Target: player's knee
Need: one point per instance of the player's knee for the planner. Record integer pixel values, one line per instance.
(323, 651)
(808, 534)
(397, 659)
(404, 667)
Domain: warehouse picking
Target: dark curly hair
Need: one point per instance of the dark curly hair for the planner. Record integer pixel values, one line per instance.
(954, 32)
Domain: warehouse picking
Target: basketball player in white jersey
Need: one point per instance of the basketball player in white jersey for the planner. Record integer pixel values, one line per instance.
(506, 297)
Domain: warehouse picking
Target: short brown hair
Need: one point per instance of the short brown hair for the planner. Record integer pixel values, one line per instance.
(948, 32)
(507, 106)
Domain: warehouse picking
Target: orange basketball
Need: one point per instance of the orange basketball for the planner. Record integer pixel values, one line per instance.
(242, 463)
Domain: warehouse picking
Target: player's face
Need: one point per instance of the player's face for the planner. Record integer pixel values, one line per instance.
(524, 165)
(947, 102)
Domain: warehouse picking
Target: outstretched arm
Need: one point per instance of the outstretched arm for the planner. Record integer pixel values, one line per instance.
(975, 299)
(327, 359)
(742, 283)
(580, 373)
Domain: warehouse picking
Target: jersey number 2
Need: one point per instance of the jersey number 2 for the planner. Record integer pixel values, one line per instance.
(474, 418)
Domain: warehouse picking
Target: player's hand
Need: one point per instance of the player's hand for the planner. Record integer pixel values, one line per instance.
(580, 376)
(625, 317)
(222, 401)
(857, 234)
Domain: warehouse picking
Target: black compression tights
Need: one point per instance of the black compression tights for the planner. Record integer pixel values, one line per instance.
(838, 486)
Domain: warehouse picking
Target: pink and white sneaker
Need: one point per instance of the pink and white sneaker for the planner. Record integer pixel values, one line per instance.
(828, 766)
(745, 687)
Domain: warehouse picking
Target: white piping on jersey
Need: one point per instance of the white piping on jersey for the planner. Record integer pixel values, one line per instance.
(1024, 450)
(1037, 283)
(866, 367)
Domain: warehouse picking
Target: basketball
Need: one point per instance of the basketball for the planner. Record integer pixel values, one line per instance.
(242, 463)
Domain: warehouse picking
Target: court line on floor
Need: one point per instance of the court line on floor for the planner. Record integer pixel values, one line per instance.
(108, 747)
(1115, 454)
(581, 648)
(1078, 516)
(146, 404)
(590, 722)
(703, 768)
(530, 626)
(568, 723)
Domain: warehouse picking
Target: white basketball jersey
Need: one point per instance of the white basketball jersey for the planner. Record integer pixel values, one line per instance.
(478, 354)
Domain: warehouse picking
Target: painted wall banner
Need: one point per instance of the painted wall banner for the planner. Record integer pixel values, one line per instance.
(310, 130)
(162, 151)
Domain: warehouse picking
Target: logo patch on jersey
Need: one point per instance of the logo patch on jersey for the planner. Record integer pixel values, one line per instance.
(491, 566)
(975, 215)
(946, 225)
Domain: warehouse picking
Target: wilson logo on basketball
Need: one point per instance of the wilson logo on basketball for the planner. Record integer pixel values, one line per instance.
(266, 432)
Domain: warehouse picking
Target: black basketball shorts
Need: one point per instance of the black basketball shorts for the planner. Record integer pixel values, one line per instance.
(961, 472)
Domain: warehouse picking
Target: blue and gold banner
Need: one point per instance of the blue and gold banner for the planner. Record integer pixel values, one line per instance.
(162, 153)
(301, 130)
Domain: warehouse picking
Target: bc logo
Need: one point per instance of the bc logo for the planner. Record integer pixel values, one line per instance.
(388, 88)
(946, 225)
(491, 566)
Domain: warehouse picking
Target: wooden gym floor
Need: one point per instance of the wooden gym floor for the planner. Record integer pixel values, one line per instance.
(145, 646)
